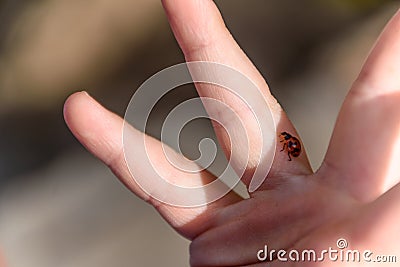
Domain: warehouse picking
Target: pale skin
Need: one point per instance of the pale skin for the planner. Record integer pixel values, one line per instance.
(355, 194)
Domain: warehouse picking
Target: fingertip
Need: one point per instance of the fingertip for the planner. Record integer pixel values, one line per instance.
(71, 103)
(196, 24)
(85, 117)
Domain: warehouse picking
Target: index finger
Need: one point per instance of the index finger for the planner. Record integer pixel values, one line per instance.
(202, 35)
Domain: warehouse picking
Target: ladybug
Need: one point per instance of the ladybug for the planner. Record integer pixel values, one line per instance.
(291, 144)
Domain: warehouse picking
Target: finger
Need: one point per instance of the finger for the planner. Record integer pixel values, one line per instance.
(365, 147)
(100, 131)
(202, 35)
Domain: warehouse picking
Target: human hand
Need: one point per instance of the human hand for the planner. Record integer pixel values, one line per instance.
(353, 195)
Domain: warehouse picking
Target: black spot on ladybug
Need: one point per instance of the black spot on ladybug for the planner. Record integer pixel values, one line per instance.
(291, 144)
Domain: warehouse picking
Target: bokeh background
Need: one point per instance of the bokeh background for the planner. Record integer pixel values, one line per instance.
(59, 206)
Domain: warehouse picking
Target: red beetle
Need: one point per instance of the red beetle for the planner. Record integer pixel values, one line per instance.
(291, 144)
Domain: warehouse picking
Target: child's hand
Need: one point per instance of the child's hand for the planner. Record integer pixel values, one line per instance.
(354, 195)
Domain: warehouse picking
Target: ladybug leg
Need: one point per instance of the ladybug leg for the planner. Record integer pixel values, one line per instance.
(284, 146)
(290, 159)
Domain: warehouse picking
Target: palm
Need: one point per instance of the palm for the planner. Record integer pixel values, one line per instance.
(353, 195)
(300, 214)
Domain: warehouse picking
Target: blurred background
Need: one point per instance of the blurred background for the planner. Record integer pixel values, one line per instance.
(59, 206)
